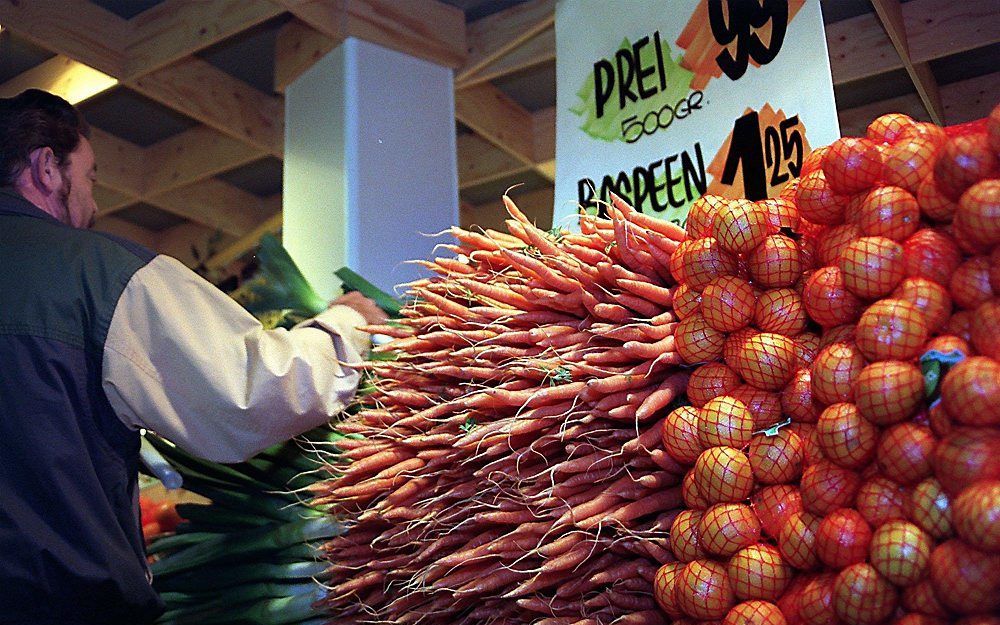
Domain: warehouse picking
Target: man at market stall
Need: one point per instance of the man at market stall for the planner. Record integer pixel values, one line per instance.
(100, 337)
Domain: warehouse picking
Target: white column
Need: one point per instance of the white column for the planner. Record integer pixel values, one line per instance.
(370, 165)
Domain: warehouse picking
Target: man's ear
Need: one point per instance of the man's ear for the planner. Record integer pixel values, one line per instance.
(45, 172)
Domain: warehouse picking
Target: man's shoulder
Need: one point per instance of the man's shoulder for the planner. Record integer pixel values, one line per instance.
(95, 245)
(114, 244)
(27, 225)
(68, 281)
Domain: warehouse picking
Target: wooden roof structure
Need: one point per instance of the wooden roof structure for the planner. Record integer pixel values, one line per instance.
(190, 137)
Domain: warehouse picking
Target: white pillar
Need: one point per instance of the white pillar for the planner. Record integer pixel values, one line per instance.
(370, 164)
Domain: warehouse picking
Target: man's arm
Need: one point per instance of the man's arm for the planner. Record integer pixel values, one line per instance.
(184, 360)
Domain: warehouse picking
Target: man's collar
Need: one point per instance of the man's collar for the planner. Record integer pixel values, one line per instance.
(13, 203)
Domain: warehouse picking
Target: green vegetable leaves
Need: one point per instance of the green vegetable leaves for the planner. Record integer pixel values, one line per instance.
(278, 285)
(934, 365)
(353, 282)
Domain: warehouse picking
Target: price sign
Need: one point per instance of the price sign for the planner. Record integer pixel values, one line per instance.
(672, 100)
(768, 160)
(741, 24)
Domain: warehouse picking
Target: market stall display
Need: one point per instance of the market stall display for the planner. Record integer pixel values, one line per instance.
(783, 413)
(528, 455)
(780, 411)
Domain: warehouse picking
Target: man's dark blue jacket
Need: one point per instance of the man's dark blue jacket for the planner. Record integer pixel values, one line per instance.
(69, 524)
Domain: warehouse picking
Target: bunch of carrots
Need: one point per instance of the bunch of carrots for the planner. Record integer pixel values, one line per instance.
(510, 466)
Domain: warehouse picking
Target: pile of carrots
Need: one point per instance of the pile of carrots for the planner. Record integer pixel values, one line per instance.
(829, 482)
(510, 467)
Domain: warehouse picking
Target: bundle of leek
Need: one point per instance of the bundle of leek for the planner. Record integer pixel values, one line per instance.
(278, 288)
(250, 556)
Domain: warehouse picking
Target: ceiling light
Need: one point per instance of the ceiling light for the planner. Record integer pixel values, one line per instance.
(62, 76)
(80, 82)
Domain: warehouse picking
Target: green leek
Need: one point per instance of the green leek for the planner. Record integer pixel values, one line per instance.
(354, 282)
(211, 579)
(278, 284)
(239, 545)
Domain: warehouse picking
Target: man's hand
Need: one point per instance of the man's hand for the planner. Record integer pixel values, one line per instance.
(368, 309)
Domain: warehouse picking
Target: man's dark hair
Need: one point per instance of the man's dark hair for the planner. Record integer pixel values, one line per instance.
(36, 119)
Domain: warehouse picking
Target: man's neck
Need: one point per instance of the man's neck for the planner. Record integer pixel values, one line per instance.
(43, 202)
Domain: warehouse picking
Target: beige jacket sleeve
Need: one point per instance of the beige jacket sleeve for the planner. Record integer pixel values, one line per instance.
(184, 360)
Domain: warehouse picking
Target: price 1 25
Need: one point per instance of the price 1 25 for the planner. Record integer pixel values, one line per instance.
(768, 159)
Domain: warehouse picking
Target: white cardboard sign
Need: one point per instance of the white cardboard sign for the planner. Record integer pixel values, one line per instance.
(663, 101)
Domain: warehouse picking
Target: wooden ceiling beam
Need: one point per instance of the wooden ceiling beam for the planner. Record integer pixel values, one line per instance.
(538, 50)
(859, 47)
(175, 29)
(297, 47)
(213, 203)
(198, 90)
(84, 32)
(192, 156)
(62, 76)
(479, 162)
(110, 201)
(201, 91)
(939, 28)
(928, 89)
(426, 29)
(127, 229)
(495, 36)
(890, 13)
(78, 29)
(271, 225)
(176, 175)
(498, 118)
(971, 99)
(543, 125)
(962, 101)
(119, 163)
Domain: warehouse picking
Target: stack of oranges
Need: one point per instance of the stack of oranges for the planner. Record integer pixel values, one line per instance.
(830, 481)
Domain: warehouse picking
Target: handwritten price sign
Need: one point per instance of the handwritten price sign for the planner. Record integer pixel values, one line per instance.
(746, 25)
(777, 153)
(764, 150)
(666, 102)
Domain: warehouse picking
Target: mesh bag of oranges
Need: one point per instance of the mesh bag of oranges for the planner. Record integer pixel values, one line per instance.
(843, 439)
